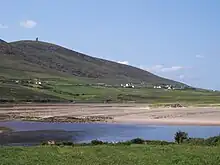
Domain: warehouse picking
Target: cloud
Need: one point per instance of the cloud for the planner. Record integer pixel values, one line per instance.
(123, 62)
(28, 24)
(199, 56)
(157, 67)
(161, 68)
(172, 68)
(3, 26)
(182, 76)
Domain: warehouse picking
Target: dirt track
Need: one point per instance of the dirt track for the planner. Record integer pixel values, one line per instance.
(117, 113)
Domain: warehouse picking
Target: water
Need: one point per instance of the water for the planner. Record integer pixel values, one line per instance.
(82, 132)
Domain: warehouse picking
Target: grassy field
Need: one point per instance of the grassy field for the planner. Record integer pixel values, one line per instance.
(111, 155)
(66, 89)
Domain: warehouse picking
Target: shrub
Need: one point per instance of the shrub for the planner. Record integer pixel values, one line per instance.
(67, 143)
(97, 142)
(44, 143)
(213, 140)
(137, 141)
(180, 136)
(195, 141)
(59, 143)
(124, 143)
(158, 142)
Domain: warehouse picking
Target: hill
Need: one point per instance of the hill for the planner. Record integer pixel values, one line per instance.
(39, 71)
(38, 57)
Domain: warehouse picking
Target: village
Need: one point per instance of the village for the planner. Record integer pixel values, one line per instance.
(38, 83)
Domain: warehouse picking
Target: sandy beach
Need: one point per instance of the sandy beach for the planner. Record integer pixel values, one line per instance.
(115, 113)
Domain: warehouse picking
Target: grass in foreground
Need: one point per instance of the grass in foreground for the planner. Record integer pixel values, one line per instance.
(111, 155)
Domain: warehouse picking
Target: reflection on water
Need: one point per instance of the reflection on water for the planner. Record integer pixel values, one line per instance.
(81, 132)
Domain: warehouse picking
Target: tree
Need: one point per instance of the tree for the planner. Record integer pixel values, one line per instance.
(180, 136)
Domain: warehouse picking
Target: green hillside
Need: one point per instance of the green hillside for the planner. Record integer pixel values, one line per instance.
(41, 57)
(66, 75)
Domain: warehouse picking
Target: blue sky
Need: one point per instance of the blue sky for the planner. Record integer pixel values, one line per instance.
(177, 39)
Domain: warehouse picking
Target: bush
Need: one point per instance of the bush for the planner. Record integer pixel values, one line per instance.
(213, 140)
(124, 143)
(97, 142)
(59, 143)
(44, 143)
(158, 142)
(67, 143)
(180, 136)
(137, 141)
(195, 141)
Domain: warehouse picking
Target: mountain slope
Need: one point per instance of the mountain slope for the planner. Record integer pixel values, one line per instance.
(36, 56)
(66, 75)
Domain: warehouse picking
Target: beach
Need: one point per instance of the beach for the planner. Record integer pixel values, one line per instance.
(112, 113)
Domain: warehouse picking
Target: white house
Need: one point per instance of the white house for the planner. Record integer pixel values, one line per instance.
(157, 87)
(128, 85)
(38, 82)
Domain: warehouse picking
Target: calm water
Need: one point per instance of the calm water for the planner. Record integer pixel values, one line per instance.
(113, 132)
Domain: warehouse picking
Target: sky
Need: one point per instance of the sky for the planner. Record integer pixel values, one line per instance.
(176, 39)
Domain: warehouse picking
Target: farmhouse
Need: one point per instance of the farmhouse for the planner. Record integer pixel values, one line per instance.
(128, 85)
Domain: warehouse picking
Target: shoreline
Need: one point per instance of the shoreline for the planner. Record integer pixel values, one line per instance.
(133, 122)
(113, 113)
(169, 123)
(119, 104)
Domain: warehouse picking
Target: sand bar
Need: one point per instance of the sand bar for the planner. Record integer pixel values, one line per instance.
(118, 113)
